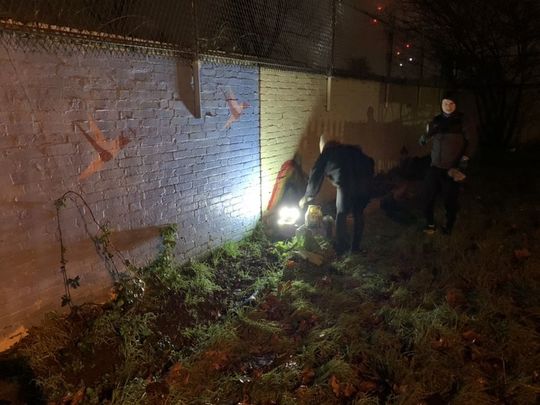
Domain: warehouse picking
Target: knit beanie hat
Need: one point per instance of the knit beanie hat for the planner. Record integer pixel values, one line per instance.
(450, 95)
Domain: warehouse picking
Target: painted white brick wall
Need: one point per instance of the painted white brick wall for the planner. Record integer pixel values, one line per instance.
(175, 169)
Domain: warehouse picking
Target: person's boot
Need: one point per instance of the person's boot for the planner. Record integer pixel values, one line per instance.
(340, 249)
(430, 229)
(447, 229)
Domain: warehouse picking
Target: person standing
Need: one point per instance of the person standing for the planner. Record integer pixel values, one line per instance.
(449, 155)
(350, 171)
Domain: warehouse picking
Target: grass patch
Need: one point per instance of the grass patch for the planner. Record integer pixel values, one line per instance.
(412, 319)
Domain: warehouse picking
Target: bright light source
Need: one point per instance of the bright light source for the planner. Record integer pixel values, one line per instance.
(407, 45)
(288, 215)
(401, 64)
(374, 21)
(398, 53)
(249, 202)
(410, 59)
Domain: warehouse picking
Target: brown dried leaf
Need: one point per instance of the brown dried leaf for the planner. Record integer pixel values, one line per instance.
(302, 391)
(349, 390)
(522, 254)
(174, 373)
(455, 297)
(325, 281)
(367, 386)
(291, 264)
(471, 336)
(271, 302)
(218, 358)
(307, 375)
(334, 383)
(78, 397)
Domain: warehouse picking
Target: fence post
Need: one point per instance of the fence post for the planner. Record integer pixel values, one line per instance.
(196, 66)
(331, 64)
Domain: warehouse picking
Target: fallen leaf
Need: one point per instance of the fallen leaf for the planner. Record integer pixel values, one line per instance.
(78, 397)
(349, 390)
(334, 383)
(157, 389)
(307, 375)
(471, 336)
(367, 386)
(218, 358)
(301, 391)
(455, 297)
(522, 254)
(174, 373)
(324, 282)
(291, 264)
(482, 382)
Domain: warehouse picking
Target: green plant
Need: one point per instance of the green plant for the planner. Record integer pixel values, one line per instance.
(101, 239)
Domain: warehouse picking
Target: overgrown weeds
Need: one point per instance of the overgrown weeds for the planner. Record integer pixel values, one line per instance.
(412, 319)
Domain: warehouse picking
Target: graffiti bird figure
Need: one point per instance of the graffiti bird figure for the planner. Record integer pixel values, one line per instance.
(236, 109)
(107, 149)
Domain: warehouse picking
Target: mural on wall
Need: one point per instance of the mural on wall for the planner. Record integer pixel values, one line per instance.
(61, 130)
(235, 108)
(107, 149)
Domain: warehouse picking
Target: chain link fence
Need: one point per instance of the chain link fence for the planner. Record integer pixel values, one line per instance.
(340, 37)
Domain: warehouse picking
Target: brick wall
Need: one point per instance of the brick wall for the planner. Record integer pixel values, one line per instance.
(174, 169)
(193, 172)
(382, 120)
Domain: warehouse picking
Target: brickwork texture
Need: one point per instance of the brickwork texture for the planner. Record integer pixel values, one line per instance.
(119, 131)
(382, 119)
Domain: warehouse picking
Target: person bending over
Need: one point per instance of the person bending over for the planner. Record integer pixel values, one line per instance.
(350, 171)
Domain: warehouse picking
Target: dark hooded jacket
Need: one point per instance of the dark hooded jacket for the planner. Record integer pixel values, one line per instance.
(447, 132)
(346, 166)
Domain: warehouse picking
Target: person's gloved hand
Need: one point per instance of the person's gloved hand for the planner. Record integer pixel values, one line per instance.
(464, 162)
(305, 201)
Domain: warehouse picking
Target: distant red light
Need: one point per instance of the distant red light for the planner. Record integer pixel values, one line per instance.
(379, 8)
(407, 45)
(374, 21)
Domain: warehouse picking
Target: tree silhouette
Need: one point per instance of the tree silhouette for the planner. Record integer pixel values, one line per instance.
(490, 47)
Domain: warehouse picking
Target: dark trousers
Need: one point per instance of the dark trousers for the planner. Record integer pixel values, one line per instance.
(349, 201)
(437, 181)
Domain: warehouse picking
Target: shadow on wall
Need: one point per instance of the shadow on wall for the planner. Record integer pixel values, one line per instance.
(184, 85)
(18, 309)
(386, 142)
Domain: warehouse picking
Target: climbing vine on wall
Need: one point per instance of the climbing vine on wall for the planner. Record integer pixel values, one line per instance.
(101, 239)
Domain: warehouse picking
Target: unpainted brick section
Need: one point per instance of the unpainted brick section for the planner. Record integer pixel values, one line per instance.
(294, 114)
(176, 169)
